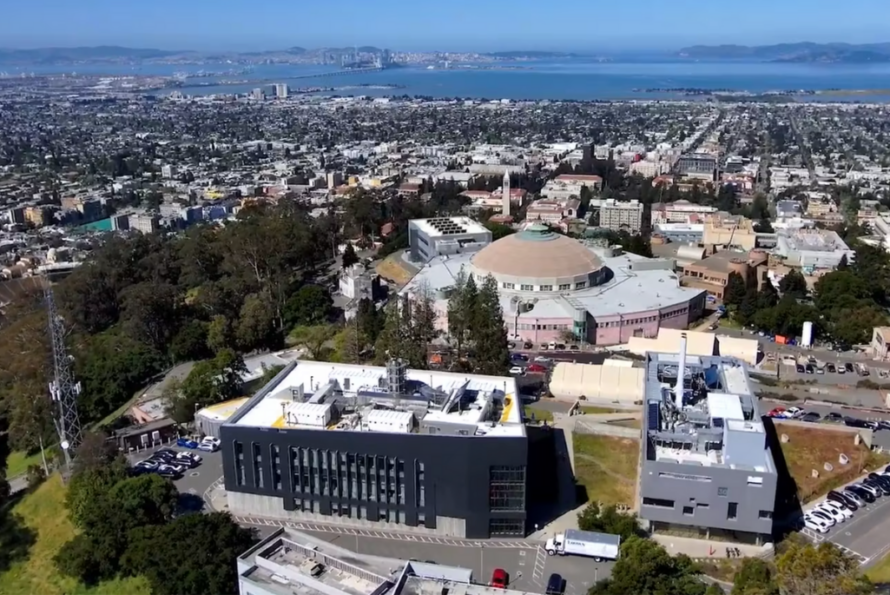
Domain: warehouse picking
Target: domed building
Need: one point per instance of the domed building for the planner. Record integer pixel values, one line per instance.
(551, 285)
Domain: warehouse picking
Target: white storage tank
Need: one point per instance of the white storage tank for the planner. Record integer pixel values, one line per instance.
(806, 339)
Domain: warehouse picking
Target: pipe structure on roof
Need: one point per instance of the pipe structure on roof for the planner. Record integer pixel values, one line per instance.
(681, 373)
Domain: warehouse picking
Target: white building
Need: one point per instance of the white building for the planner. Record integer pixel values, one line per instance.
(618, 215)
(281, 90)
(812, 249)
(444, 236)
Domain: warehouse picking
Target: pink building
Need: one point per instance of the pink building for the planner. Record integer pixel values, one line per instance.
(550, 284)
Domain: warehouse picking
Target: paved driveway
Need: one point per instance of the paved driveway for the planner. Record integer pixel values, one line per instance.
(865, 535)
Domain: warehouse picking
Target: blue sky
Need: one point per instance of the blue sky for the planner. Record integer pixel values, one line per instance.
(483, 25)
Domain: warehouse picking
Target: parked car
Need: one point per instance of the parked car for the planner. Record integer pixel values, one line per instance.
(852, 495)
(517, 371)
(185, 460)
(811, 369)
(209, 444)
(560, 347)
(881, 487)
(843, 510)
(528, 345)
(147, 464)
(849, 367)
(536, 369)
(811, 416)
(841, 369)
(169, 472)
(511, 345)
(499, 578)
(815, 524)
(794, 412)
(824, 516)
(833, 417)
(867, 494)
(800, 368)
(543, 360)
(191, 456)
(186, 443)
(777, 412)
(518, 357)
(555, 585)
(831, 369)
(574, 348)
(842, 500)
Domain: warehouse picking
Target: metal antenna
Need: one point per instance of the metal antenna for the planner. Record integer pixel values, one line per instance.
(64, 389)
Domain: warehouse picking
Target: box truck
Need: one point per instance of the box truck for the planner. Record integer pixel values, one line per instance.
(599, 546)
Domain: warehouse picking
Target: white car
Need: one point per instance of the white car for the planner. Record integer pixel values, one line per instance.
(542, 360)
(836, 515)
(842, 510)
(209, 444)
(793, 412)
(516, 371)
(821, 514)
(814, 524)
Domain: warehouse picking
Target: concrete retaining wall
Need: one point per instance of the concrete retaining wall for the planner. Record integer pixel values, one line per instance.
(587, 426)
(866, 435)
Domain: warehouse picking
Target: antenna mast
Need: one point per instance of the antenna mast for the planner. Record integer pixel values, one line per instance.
(64, 389)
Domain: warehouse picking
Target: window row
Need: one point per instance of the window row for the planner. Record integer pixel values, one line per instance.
(529, 287)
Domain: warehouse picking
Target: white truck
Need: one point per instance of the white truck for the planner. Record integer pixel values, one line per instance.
(599, 546)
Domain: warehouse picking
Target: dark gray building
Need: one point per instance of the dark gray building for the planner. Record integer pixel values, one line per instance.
(707, 466)
(441, 236)
(384, 447)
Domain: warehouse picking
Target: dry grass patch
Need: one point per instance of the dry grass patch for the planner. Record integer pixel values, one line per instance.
(811, 447)
(393, 269)
(607, 467)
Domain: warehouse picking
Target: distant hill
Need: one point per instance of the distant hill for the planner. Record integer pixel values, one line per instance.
(804, 52)
(81, 54)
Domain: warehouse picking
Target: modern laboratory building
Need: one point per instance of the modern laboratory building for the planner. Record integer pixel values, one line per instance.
(386, 447)
(707, 467)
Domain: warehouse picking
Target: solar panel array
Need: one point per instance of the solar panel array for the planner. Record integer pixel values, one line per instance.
(446, 226)
(654, 412)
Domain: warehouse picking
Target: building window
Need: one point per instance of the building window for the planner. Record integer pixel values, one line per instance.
(239, 464)
(753, 480)
(565, 287)
(546, 288)
(257, 466)
(276, 466)
(506, 488)
(732, 511)
(765, 514)
(506, 527)
(658, 502)
(509, 286)
(581, 285)
(723, 492)
(688, 510)
(527, 287)
(684, 477)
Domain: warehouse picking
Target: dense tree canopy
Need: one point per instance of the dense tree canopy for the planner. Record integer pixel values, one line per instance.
(644, 567)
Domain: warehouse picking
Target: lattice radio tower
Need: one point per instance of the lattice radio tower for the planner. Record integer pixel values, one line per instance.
(64, 389)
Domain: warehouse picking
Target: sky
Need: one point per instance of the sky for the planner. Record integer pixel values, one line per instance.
(424, 25)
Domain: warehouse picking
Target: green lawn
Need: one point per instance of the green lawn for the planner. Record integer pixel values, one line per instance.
(539, 413)
(18, 462)
(594, 410)
(607, 467)
(44, 513)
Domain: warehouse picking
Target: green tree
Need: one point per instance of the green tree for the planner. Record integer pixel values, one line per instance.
(489, 335)
(150, 313)
(755, 577)
(608, 520)
(256, 324)
(735, 290)
(805, 569)
(209, 382)
(349, 256)
(393, 340)
(156, 553)
(645, 567)
(190, 342)
(794, 284)
(310, 305)
(220, 334)
(315, 339)
(370, 319)
(421, 323)
(461, 306)
(748, 308)
(88, 486)
(499, 230)
(767, 296)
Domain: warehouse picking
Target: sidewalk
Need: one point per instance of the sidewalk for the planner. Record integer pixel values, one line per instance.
(703, 548)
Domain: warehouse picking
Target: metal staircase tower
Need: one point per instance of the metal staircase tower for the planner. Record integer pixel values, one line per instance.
(63, 389)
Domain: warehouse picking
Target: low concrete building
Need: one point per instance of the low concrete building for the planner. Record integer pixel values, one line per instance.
(442, 236)
(880, 342)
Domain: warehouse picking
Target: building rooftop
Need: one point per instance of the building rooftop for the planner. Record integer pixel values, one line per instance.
(812, 240)
(292, 563)
(448, 226)
(720, 262)
(713, 421)
(326, 396)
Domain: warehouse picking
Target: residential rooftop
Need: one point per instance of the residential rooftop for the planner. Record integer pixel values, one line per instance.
(324, 396)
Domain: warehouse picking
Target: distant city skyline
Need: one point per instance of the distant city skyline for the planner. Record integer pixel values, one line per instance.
(460, 25)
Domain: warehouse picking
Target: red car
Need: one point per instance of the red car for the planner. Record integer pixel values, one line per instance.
(499, 578)
(536, 369)
(777, 412)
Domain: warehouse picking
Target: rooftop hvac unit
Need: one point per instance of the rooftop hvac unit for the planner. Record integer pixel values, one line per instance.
(396, 378)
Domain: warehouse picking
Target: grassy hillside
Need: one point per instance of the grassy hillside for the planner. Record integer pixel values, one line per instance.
(43, 512)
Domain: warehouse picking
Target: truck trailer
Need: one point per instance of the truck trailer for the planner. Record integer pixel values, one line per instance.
(599, 546)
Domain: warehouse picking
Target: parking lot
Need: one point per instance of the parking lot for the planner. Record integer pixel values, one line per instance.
(864, 536)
